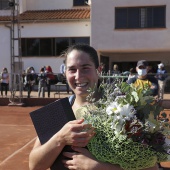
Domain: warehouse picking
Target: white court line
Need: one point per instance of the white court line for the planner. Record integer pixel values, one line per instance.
(16, 152)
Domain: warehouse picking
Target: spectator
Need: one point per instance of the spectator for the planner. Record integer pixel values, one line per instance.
(143, 78)
(42, 81)
(4, 81)
(161, 76)
(50, 78)
(62, 76)
(28, 81)
(132, 73)
(101, 68)
(115, 71)
(62, 68)
(34, 74)
(151, 70)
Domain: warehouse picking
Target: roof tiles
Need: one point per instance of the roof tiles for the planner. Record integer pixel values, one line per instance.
(50, 15)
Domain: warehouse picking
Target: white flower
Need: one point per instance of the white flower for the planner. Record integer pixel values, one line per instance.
(127, 111)
(111, 108)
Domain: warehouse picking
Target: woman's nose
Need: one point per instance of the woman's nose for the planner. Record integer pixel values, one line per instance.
(78, 74)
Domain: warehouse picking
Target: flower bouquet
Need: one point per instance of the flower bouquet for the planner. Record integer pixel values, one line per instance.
(129, 131)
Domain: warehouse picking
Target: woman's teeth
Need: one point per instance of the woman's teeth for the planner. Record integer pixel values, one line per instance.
(81, 84)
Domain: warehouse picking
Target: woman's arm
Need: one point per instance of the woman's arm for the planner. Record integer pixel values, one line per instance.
(43, 156)
(82, 159)
(40, 154)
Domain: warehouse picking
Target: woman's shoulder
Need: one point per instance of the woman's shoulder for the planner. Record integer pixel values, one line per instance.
(71, 99)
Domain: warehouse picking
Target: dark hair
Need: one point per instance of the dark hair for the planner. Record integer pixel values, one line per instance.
(42, 69)
(87, 49)
(132, 70)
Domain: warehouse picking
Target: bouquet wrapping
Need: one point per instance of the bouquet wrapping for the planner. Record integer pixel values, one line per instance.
(129, 129)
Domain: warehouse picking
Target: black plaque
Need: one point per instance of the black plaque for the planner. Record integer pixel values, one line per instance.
(48, 120)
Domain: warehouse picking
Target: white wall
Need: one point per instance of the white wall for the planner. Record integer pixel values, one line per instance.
(5, 12)
(62, 29)
(5, 54)
(22, 4)
(49, 4)
(105, 37)
(71, 29)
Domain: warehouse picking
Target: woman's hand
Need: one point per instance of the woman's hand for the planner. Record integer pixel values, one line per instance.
(81, 159)
(76, 134)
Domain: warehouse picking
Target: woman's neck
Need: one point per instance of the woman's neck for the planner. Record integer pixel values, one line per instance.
(79, 101)
(82, 101)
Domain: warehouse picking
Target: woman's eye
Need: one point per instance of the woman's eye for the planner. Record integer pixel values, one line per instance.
(86, 68)
(72, 70)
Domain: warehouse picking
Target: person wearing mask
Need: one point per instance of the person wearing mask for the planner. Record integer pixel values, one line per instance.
(82, 74)
(42, 81)
(4, 81)
(28, 81)
(50, 78)
(32, 71)
(143, 78)
(161, 76)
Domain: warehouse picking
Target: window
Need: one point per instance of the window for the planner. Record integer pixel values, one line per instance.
(49, 46)
(61, 45)
(140, 17)
(79, 2)
(32, 46)
(46, 47)
(83, 40)
(4, 4)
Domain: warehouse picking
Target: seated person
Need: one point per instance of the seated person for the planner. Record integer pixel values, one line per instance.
(142, 78)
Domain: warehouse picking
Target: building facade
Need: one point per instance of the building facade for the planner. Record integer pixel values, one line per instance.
(126, 31)
(122, 32)
(47, 29)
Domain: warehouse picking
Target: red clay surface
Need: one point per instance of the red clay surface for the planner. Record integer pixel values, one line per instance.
(17, 136)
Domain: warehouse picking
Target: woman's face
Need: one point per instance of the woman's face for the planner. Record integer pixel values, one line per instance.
(80, 72)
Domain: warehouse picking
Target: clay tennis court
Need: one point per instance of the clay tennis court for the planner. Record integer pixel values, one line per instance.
(17, 136)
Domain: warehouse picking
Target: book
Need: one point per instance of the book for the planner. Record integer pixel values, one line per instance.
(48, 120)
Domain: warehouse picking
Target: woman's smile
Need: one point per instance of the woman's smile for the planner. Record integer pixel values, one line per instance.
(81, 84)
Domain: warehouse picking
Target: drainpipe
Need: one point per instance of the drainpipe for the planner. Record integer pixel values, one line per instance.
(10, 29)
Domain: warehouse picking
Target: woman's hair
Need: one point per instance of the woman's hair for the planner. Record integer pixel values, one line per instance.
(49, 69)
(87, 49)
(5, 69)
(28, 70)
(132, 70)
(42, 69)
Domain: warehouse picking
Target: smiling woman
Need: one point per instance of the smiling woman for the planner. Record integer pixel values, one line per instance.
(81, 73)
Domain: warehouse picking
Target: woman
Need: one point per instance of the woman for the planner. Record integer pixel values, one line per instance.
(42, 80)
(132, 73)
(82, 74)
(50, 77)
(28, 81)
(4, 81)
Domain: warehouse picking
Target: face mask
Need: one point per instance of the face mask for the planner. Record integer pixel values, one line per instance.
(142, 72)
